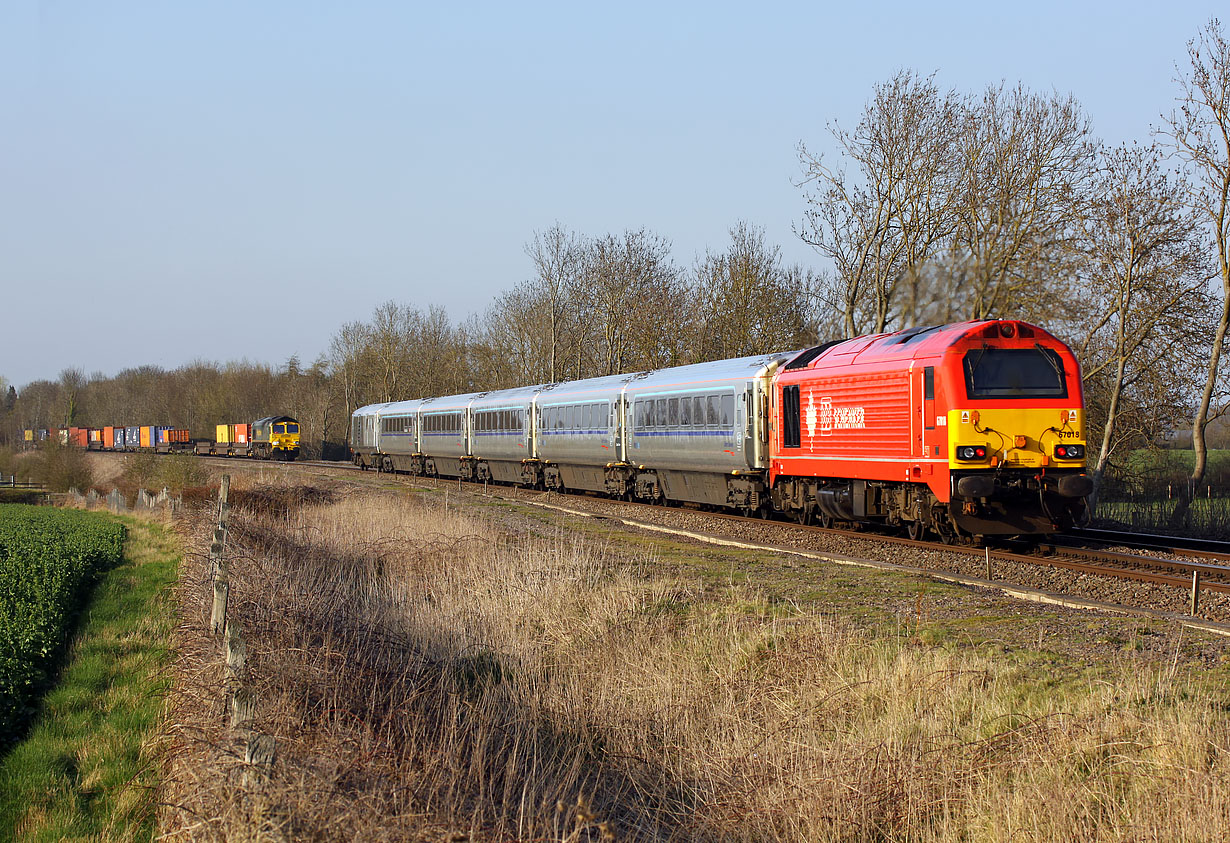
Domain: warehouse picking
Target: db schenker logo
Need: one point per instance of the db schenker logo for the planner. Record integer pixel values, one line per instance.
(829, 418)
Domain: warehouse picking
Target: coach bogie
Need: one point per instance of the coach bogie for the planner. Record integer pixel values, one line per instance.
(648, 488)
(620, 480)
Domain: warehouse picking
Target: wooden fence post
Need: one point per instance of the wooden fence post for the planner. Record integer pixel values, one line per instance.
(217, 617)
(259, 758)
(224, 505)
(243, 708)
(236, 653)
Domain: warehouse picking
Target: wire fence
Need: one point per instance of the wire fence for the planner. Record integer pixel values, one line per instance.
(1207, 516)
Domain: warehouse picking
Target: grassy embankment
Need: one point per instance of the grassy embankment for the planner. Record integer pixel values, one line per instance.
(431, 670)
(85, 767)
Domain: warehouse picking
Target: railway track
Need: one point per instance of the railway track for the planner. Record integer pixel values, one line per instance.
(1198, 566)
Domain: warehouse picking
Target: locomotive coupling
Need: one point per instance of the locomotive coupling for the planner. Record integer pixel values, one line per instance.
(1074, 485)
(976, 486)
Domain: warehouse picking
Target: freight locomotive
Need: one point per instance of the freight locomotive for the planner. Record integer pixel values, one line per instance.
(964, 430)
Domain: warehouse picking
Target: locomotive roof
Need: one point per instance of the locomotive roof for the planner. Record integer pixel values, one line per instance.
(925, 341)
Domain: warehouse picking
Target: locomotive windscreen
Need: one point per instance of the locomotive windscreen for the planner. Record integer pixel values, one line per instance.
(1014, 373)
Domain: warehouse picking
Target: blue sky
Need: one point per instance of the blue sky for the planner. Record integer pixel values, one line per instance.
(230, 180)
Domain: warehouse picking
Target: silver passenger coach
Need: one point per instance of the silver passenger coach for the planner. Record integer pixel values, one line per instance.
(690, 433)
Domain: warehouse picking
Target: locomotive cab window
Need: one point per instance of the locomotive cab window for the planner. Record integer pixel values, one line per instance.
(790, 417)
(1014, 373)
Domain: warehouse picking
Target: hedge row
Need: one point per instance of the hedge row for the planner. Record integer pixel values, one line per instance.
(49, 558)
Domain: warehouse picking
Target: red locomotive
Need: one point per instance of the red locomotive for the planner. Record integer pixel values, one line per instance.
(968, 429)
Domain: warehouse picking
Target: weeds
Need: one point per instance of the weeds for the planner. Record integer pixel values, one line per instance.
(428, 672)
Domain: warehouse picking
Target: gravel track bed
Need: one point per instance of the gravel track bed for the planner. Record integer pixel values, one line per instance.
(1213, 606)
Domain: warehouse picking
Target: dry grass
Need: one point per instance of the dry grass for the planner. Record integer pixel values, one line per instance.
(427, 672)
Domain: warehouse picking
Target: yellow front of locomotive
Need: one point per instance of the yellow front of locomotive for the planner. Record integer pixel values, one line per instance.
(1017, 438)
(1016, 432)
(284, 439)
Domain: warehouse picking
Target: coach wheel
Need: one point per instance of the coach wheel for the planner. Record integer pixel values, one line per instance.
(825, 520)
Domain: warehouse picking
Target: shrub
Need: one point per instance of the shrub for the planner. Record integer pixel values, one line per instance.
(178, 472)
(141, 468)
(62, 467)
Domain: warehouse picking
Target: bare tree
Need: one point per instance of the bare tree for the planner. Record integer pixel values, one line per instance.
(72, 381)
(1199, 133)
(346, 355)
(621, 272)
(885, 216)
(1144, 288)
(557, 257)
(749, 304)
(1022, 160)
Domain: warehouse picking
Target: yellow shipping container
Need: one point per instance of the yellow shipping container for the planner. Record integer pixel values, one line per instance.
(224, 433)
(29, 435)
(149, 439)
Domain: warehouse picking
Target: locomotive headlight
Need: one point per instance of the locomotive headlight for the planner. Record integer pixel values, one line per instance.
(1070, 452)
(971, 452)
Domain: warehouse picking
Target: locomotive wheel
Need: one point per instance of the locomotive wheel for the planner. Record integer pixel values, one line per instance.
(915, 530)
(826, 520)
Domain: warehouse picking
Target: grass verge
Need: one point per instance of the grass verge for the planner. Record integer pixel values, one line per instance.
(86, 768)
(430, 671)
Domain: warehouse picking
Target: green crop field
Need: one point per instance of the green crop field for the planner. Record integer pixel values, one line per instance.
(48, 560)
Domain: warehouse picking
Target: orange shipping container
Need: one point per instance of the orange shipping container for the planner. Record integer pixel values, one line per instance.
(108, 437)
(79, 437)
(243, 434)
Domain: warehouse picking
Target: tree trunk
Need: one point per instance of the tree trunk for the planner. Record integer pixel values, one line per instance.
(1199, 446)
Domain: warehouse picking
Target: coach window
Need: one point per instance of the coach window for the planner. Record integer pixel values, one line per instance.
(698, 411)
(685, 412)
(728, 410)
(711, 410)
(672, 410)
(659, 418)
